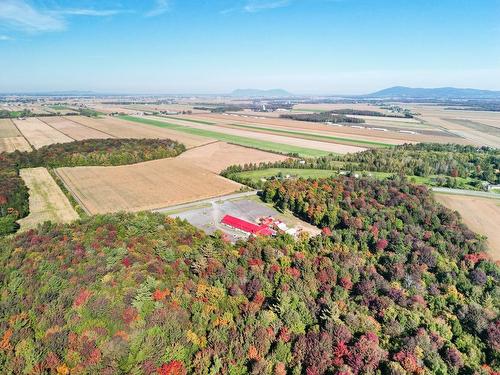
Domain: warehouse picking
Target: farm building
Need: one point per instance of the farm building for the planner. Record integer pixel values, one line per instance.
(245, 226)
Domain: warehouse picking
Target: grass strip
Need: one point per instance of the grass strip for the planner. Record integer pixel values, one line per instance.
(242, 141)
(191, 120)
(317, 136)
(309, 110)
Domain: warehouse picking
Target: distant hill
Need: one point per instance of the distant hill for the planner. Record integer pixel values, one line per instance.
(435, 93)
(256, 93)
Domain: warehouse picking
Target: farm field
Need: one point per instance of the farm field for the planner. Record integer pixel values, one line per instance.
(353, 133)
(73, 129)
(478, 127)
(11, 144)
(217, 156)
(239, 140)
(309, 135)
(401, 125)
(322, 107)
(126, 129)
(235, 132)
(39, 134)
(192, 176)
(8, 129)
(46, 201)
(481, 215)
(143, 186)
(163, 107)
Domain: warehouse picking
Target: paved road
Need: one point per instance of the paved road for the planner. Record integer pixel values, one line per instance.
(206, 201)
(472, 193)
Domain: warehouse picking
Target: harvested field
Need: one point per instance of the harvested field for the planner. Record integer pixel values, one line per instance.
(39, 134)
(125, 129)
(8, 129)
(347, 131)
(488, 129)
(475, 127)
(482, 215)
(13, 144)
(237, 135)
(47, 201)
(217, 156)
(164, 107)
(321, 107)
(73, 129)
(143, 186)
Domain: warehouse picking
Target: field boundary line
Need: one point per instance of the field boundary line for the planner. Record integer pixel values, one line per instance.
(270, 151)
(203, 145)
(60, 131)
(56, 172)
(22, 134)
(89, 127)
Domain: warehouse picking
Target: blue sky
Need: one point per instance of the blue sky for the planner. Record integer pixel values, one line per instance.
(215, 46)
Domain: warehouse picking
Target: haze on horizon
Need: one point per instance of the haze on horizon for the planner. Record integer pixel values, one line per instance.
(202, 46)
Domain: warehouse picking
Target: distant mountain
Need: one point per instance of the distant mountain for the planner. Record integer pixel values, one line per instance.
(256, 93)
(436, 93)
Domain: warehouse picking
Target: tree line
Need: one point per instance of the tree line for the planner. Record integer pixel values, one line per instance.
(99, 152)
(448, 161)
(329, 116)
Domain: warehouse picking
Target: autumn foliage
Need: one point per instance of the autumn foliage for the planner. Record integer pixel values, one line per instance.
(146, 294)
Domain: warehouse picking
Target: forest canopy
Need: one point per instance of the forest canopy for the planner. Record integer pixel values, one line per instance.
(396, 284)
(480, 166)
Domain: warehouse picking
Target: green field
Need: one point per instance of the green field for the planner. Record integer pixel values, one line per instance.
(309, 110)
(317, 137)
(242, 141)
(191, 120)
(60, 107)
(257, 175)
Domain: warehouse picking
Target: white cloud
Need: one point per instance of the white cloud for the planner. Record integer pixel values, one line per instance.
(22, 15)
(89, 12)
(161, 6)
(5, 37)
(254, 6)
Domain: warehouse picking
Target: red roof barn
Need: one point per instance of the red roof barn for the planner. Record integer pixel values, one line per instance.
(245, 226)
